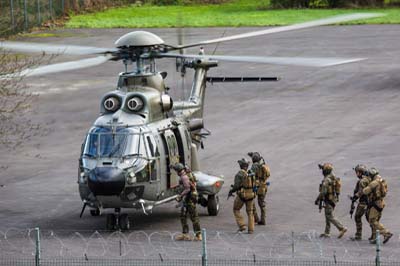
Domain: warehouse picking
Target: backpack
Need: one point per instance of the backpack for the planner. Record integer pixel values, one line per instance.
(383, 187)
(337, 186)
(247, 191)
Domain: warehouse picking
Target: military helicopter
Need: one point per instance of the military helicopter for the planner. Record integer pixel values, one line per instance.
(141, 132)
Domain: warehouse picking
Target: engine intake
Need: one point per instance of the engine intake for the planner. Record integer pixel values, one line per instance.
(112, 104)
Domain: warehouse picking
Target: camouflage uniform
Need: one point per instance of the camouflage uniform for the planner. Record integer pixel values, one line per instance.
(375, 207)
(189, 199)
(242, 198)
(327, 195)
(262, 173)
(362, 206)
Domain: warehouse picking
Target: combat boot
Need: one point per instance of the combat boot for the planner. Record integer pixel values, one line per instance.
(198, 237)
(241, 229)
(342, 232)
(325, 235)
(183, 237)
(261, 223)
(355, 238)
(387, 237)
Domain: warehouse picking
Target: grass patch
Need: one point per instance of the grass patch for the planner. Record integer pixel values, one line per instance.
(234, 14)
(48, 35)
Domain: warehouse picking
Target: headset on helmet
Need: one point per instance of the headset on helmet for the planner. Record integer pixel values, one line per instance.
(360, 168)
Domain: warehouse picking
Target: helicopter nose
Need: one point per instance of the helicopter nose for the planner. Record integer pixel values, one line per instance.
(106, 181)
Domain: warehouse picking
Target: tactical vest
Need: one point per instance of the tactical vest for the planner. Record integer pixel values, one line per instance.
(333, 189)
(247, 187)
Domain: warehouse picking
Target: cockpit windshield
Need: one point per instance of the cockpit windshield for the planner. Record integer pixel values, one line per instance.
(123, 142)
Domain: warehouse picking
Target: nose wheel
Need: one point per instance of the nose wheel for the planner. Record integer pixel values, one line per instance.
(117, 220)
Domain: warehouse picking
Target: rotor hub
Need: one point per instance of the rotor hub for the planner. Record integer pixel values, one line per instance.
(139, 39)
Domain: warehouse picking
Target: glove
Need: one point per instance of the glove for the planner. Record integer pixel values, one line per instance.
(179, 198)
(230, 194)
(316, 202)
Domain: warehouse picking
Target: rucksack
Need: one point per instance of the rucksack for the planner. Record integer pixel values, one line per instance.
(383, 187)
(247, 191)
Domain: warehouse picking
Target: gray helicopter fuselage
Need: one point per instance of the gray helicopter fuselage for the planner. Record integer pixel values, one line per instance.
(127, 154)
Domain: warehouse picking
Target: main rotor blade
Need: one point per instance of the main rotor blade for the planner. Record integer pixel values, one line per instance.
(289, 61)
(53, 48)
(314, 23)
(59, 67)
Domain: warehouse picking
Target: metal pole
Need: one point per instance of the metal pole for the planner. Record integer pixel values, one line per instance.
(63, 7)
(51, 8)
(38, 10)
(292, 244)
(25, 16)
(378, 249)
(204, 260)
(12, 14)
(37, 254)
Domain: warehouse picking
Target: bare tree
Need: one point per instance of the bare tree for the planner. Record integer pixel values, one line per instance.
(15, 102)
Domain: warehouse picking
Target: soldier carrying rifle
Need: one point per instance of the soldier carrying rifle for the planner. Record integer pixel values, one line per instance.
(361, 210)
(329, 194)
(244, 187)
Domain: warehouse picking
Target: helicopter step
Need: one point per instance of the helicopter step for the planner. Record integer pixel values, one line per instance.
(117, 221)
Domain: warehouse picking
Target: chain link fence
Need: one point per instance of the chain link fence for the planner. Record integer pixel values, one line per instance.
(22, 15)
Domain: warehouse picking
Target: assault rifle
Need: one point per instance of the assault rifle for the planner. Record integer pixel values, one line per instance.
(352, 206)
(230, 194)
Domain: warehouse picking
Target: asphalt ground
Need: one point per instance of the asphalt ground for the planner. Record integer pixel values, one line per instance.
(345, 115)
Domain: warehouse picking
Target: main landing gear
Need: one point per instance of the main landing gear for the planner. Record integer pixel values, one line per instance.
(117, 220)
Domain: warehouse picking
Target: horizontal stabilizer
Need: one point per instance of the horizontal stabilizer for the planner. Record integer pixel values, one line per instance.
(241, 79)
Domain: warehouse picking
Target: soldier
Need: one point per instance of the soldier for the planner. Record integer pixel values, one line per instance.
(376, 192)
(244, 186)
(329, 195)
(189, 199)
(364, 180)
(262, 173)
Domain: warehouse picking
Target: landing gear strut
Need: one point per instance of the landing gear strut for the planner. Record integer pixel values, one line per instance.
(115, 221)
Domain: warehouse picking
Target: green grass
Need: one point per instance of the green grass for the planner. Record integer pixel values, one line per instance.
(236, 13)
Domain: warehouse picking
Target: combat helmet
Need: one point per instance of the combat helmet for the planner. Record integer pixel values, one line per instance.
(361, 168)
(178, 167)
(255, 156)
(373, 172)
(326, 168)
(243, 163)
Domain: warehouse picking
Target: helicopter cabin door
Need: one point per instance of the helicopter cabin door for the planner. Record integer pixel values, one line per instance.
(173, 154)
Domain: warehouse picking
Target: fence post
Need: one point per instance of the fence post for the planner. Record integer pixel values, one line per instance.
(25, 16)
(293, 244)
(51, 9)
(38, 10)
(12, 14)
(204, 260)
(37, 254)
(63, 7)
(378, 249)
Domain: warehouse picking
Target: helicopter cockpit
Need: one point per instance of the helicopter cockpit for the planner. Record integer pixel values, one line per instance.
(131, 152)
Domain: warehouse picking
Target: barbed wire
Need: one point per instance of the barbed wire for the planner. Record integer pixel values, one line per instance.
(162, 245)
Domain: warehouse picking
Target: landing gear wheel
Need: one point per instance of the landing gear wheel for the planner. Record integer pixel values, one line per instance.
(111, 221)
(95, 212)
(124, 223)
(213, 205)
